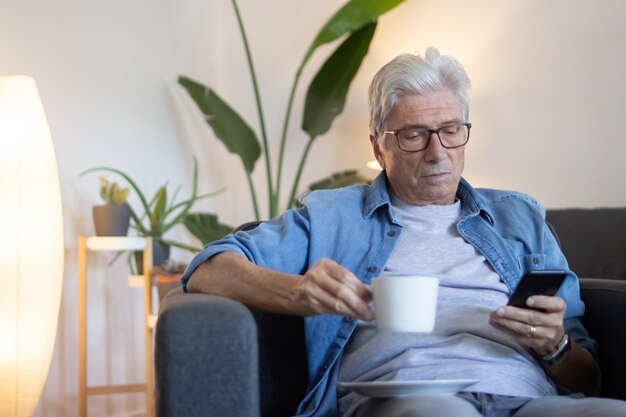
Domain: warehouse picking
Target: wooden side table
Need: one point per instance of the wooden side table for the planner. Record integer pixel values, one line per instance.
(86, 244)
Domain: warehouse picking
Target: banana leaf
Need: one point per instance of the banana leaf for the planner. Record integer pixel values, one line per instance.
(205, 226)
(350, 18)
(327, 93)
(338, 180)
(226, 123)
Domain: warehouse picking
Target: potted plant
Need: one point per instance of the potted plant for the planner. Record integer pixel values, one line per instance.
(113, 217)
(159, 215)
(326, 95)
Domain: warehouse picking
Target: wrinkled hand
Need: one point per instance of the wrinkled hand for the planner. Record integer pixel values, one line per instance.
(329, 288)
(547, 322)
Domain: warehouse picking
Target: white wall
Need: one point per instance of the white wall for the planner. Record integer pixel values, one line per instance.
(547, 108)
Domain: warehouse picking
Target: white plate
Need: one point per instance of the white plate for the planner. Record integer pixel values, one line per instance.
(387, 389)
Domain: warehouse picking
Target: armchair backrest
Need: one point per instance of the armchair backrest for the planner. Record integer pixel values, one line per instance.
(593, 240)
(594, 243)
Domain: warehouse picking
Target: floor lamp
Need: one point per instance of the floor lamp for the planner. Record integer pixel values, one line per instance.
(31, 246)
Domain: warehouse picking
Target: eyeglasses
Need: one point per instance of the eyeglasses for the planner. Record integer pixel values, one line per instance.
(451, 136)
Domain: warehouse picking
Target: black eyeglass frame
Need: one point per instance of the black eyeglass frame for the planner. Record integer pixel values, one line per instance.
(430, 135)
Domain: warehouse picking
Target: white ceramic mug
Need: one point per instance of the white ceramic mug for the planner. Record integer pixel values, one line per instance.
(405, 303)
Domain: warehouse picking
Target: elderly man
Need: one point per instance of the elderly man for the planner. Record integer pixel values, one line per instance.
(418, 217)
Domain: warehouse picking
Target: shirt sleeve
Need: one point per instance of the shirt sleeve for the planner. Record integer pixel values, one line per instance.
(280, 244)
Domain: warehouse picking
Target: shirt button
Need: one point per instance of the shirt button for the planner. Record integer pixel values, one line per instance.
(536, 261)
(391, 233)
(373, 268)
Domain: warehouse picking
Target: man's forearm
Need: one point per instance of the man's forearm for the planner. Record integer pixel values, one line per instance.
(231, 275)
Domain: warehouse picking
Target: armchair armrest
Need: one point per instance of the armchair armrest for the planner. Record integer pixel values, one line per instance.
(206, 357)
(605, 302)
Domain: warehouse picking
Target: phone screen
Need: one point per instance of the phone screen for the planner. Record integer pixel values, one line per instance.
(536, 283)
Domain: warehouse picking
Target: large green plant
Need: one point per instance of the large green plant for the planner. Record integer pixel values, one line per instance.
(325, 98)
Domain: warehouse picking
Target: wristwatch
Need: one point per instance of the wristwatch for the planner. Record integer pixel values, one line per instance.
(559, 352)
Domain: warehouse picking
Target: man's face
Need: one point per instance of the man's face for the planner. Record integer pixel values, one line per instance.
(430, 176)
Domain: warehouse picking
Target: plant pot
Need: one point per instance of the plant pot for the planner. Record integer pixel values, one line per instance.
(160, 253)
(111, 219)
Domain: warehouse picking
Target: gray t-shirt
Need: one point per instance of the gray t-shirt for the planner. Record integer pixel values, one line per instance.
(463, 345)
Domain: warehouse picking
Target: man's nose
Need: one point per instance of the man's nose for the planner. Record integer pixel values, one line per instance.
(435, 150)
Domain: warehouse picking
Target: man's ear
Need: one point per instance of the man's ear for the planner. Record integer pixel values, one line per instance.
(377, 152)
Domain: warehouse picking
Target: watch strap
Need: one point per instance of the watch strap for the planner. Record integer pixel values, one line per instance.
(561, 349)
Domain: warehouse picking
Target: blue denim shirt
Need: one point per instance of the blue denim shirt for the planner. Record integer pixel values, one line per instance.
(355, 227)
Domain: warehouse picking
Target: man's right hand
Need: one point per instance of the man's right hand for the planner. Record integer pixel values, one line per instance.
(329, 288)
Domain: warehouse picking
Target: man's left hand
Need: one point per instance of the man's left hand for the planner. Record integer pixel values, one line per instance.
(540, 326)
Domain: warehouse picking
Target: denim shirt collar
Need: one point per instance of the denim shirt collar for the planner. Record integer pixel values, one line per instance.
(472, 203)
(377, 196)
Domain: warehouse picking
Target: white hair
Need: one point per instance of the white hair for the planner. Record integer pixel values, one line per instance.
(412, 74)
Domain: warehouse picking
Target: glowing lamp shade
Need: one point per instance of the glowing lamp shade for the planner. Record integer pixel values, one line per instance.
(31, 246)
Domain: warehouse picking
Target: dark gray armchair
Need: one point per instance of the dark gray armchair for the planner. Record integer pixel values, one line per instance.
(215, 357)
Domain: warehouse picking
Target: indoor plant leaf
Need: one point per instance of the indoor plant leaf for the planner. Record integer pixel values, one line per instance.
(350, 18)
(338, 180)
(205, 226)
(158, 213)
(183, 207)
(327, 93)
(226, 123)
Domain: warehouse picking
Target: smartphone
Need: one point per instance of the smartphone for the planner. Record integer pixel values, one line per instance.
(542, 282)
